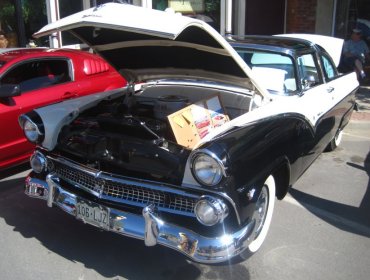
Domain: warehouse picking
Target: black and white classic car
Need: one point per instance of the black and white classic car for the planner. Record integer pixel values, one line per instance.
(193, 152)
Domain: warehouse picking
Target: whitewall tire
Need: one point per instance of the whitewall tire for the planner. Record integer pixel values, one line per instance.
(335, 142)
(263, 213)
(264, 209)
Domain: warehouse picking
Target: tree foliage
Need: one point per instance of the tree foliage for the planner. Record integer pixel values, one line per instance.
(32, 10)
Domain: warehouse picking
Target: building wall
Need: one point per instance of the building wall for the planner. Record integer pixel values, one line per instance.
(301, 16)
(264, 21)
(324, 17)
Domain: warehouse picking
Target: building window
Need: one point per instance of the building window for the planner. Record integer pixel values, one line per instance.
(66, 8)
(352, 14)
(206, 10)
(94, 3)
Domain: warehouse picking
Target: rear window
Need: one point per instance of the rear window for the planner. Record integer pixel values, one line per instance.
(270, 58)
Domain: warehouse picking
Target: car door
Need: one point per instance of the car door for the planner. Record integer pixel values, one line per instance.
(317, 105)
(42, 81)
(341, 91)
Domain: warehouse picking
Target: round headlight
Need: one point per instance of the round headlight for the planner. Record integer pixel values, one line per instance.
(206, 170)
(38, 162)
(33, 130)
(210, 211)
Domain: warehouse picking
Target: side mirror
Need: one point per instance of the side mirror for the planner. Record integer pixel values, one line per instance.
(9, 90)
(308, 81)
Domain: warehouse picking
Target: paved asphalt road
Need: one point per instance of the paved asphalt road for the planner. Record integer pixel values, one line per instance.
(321, 230)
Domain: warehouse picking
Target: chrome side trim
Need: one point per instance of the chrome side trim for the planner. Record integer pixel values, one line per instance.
(149, 227)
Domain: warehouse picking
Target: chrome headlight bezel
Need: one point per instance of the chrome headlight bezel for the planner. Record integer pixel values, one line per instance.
(215, 209)
(38, 162)
(217, 170)
(32, 127)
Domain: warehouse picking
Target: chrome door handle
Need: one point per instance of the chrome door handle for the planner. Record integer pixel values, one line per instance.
(330, 89)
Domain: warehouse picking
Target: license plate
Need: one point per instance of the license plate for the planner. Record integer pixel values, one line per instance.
(92, 213)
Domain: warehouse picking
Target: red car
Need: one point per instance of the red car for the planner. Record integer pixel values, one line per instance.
(30, 78)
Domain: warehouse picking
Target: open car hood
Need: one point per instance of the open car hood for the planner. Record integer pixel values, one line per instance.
(137, 40)
(332, 45)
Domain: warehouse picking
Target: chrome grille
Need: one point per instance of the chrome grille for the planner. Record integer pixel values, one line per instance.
(125, 192)
(134, 193)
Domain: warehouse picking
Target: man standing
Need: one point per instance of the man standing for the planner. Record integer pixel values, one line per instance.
(355, 53)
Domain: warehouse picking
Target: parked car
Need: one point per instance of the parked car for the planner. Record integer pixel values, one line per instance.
(113, 162)
(30, 78)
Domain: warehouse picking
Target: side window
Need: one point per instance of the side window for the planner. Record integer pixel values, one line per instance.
(329, 69)
(38, 74)
(308, 71)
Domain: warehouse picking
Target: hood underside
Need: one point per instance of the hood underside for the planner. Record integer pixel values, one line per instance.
(133, 39)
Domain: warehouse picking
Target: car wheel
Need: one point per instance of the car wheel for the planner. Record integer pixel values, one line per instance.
(264, 208)
(263, 213)
(335, 142)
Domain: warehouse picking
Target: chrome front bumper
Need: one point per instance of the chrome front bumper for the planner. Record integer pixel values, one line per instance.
(148, 226)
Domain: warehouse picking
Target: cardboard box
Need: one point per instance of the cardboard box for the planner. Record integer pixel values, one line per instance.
(191, 124)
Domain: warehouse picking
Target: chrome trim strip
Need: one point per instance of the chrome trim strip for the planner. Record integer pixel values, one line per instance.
(203, 84)
(150, 228)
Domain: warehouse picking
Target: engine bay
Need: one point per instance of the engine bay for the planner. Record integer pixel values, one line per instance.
(131, 133)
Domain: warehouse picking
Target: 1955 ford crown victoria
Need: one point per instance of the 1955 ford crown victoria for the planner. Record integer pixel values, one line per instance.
(192, 153)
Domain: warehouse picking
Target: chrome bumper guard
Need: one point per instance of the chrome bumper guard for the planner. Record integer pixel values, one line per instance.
(148, 226)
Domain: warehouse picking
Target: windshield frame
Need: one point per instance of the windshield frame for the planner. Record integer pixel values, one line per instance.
(294, 86)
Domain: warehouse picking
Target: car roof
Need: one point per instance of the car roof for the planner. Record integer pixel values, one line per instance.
(7, 55)
(271, 43)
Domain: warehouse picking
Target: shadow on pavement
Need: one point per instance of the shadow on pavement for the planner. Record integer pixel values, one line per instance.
(363, 99)
(109, 254)
(357, 219)
(14, 170)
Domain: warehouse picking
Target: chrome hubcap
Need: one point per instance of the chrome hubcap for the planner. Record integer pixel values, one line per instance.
(261, 209)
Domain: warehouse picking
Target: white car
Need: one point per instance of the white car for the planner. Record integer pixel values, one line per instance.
(192, 153)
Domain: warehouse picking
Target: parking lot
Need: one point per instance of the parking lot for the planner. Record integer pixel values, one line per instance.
(321, 230)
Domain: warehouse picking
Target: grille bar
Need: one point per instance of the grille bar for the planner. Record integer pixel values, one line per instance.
(124, 192)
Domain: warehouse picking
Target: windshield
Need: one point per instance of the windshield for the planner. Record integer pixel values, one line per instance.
(274, 71)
